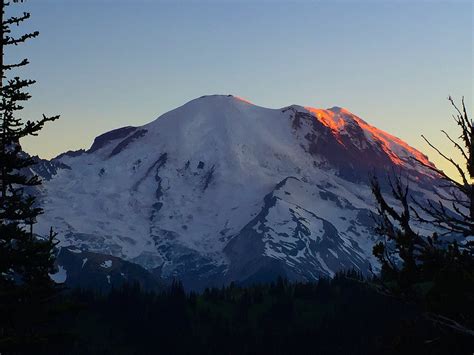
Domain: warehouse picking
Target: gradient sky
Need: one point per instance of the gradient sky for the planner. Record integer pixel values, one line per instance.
(105, 64)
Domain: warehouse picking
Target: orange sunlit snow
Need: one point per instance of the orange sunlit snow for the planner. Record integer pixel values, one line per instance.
(243, 100)
(336, 123)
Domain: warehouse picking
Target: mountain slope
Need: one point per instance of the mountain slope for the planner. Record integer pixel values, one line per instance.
(220, 189)
(87, 270)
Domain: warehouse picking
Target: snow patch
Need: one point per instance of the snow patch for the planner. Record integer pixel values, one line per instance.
(60, 276)
(106, 264)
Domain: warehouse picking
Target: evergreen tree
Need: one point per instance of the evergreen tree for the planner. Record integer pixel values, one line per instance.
(25, 258)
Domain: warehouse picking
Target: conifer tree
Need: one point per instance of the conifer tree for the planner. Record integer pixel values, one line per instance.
(25, 258)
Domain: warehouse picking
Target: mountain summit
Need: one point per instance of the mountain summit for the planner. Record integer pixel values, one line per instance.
(222, 190)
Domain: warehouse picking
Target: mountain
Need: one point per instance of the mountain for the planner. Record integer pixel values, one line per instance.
(84, 269)
(222, 190)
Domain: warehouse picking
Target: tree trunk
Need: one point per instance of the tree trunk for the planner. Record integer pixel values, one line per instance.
(3, 143)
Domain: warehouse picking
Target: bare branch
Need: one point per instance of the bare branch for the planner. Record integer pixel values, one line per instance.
(443, 175)
(456, 145)
(450, 323)
(456, 165)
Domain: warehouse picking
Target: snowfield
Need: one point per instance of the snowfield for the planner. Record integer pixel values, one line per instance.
(220, 189)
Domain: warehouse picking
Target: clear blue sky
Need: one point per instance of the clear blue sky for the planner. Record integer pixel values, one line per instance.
(105, 64)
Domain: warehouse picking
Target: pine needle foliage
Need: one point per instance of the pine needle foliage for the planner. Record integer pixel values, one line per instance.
(26, 259)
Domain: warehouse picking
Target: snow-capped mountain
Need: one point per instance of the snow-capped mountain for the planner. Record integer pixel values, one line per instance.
(220, 189)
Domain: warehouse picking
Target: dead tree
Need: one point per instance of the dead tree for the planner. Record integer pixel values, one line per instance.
(433, 270)
(457, 196)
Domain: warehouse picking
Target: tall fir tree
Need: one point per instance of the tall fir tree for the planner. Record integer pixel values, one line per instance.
(26, 260)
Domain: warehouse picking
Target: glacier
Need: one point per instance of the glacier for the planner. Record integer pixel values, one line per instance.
(222, 190)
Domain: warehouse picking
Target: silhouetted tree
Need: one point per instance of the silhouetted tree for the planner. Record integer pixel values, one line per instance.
(459, 195)
(25, 259)
(436, 270)
(401, 246)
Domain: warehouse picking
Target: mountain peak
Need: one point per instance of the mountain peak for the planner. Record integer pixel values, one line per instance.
(232, 119)
(224, 97)
(205, 192)
(338, 119)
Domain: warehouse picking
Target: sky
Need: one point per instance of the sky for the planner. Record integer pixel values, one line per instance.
(107, 64)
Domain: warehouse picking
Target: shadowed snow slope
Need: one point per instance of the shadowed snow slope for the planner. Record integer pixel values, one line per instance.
(220, 189)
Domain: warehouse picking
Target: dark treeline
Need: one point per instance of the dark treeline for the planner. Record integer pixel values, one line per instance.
(344, 315)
